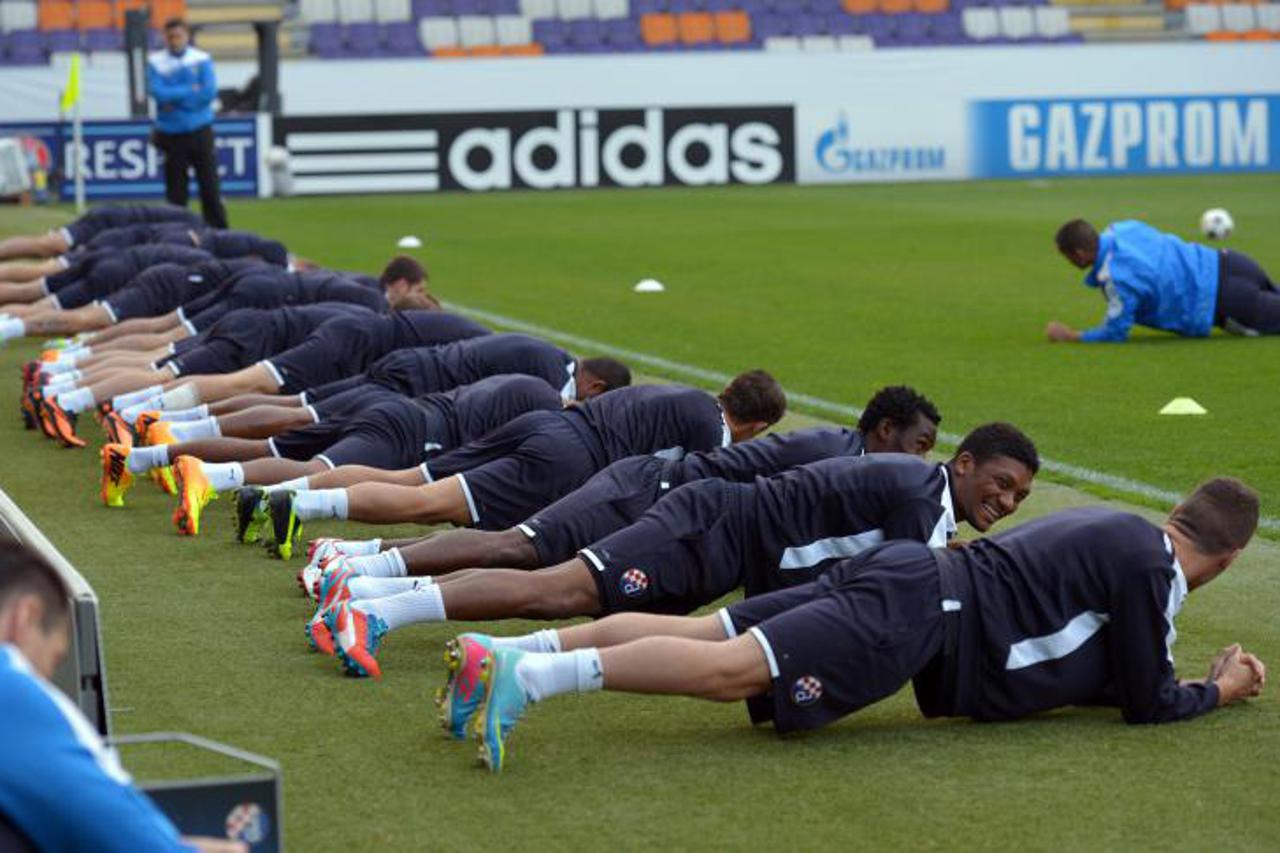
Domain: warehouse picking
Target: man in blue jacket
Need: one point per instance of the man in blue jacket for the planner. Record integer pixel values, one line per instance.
(180, 78)
(1159, 280)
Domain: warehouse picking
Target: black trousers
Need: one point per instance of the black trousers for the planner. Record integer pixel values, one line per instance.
(182, 152)
(1248, 301)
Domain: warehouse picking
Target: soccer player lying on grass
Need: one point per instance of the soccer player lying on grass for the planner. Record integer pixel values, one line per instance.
(78, 279)
(100, 218)
(705, 540)
(502, 478)
(44, 729)
(1158, 280)
(1076, 608)
(415, 372)
(410, 372)
(394, 433)
(897, 419)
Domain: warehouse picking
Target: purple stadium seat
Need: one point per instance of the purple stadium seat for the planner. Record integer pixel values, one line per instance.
(432, 8)
(469, 7)
(945, 28)
(506, 7)
(326, 40)
(644, 7)
(767, 26)
(622, 34)
(586, 35)
(103, 39)
(844, 24)
(61, 41)
(362, 39)
(753, 7)
(401, 39)
(787, 7)
(806, 24)
(825, 7)
(721, 5)
(25, 47)
(678, 6)
(913, 28)
(552, 35)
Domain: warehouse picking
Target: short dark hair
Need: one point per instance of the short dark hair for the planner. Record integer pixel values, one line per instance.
(1218, 517)
(1000, 439)
(24, 572)
(610, 371)
(754, 396)
(175, 22)
(402, 267)
(901, 404)
(1076, 235)
(416, 299)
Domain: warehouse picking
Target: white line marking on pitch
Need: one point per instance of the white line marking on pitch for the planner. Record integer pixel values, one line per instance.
(846, 413)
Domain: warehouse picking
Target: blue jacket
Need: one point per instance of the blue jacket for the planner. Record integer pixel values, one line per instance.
(59, 784)
(183, 87)
(1153, 279)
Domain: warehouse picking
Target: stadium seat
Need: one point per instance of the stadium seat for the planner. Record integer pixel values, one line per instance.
(450, 53)
(56, 15)
(606, 9)
(476, 30)
(573, 10)
(1016, 22)
(431, 8)
(355, 11)
(18, 16)
(318, 11)
(62, 41)
(535, 9)
(1222, 35)
(1203, 18)
(438, 33)
(530, 49)
(25, 47)
(896, 7)
(782, 44)
(119, 7)
(391, 11)
(362, 39)
(732, 27)
(325, 40)
(980, 23)
(818, 44)
(513, 30)
(103, 39)
(695, 28)
(658, 30)
(93, 14)
(1238, 17)
(622, 34)
(552, 34)
(482, 51)
(586, 35)
(1052, 22)
(932, 7)
(860, 7)
(1269, 17)
(854, 44)
(163, 10)
(401, 39)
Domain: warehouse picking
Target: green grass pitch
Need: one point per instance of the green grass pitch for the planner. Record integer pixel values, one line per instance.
(837, 291)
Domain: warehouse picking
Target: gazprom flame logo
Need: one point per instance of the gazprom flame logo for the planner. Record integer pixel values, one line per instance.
(832, 150)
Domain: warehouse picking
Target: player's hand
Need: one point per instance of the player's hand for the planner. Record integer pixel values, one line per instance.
(1219, 663)
(1240, 676)
(1060, 332)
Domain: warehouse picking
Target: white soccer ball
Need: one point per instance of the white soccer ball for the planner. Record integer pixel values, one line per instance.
(1216, 223)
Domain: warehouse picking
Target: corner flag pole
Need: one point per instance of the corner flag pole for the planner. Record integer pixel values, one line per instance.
(71, 100)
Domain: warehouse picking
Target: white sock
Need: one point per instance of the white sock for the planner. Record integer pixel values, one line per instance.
(363, 586)
(546, 675)
(223, 476)
(142, 459)
(77, 400)
(424, 604)
(297, 484)
(59, 386)
(130, 413)
(133, 398)
(12, 328)
(388, 564)
(358, 547)
(182, 397)
(190, 430)
(546, 640)
(320, 503)
(199, 413)
(61, 367)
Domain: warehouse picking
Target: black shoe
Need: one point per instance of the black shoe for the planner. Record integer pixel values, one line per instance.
(285, 524)
(250, 508)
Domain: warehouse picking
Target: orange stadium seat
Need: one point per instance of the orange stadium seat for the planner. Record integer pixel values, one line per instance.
(484, 50)
(1222, 35)
(534, 49)
(163, 10)
(449, 53)
(122, 6)
(860, 7)
(658, 29)
(733, 27)
(696, 27)
(896, 7)
(932, 7)
(56, 15)
(94, 14)
(1258, 35)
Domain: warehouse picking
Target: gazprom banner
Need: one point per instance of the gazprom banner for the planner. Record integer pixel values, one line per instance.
(1124, 135)
(120, 162)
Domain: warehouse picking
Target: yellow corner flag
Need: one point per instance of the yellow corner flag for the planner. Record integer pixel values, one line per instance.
(71, 95)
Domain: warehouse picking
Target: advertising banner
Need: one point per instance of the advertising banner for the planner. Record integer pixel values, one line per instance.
(119, 161)
(882, 139)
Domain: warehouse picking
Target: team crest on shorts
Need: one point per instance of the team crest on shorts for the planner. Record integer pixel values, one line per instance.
(247, 822)
(806, 690)
(633, 582)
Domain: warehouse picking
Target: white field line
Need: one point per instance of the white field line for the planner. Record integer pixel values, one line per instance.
(844, 413)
